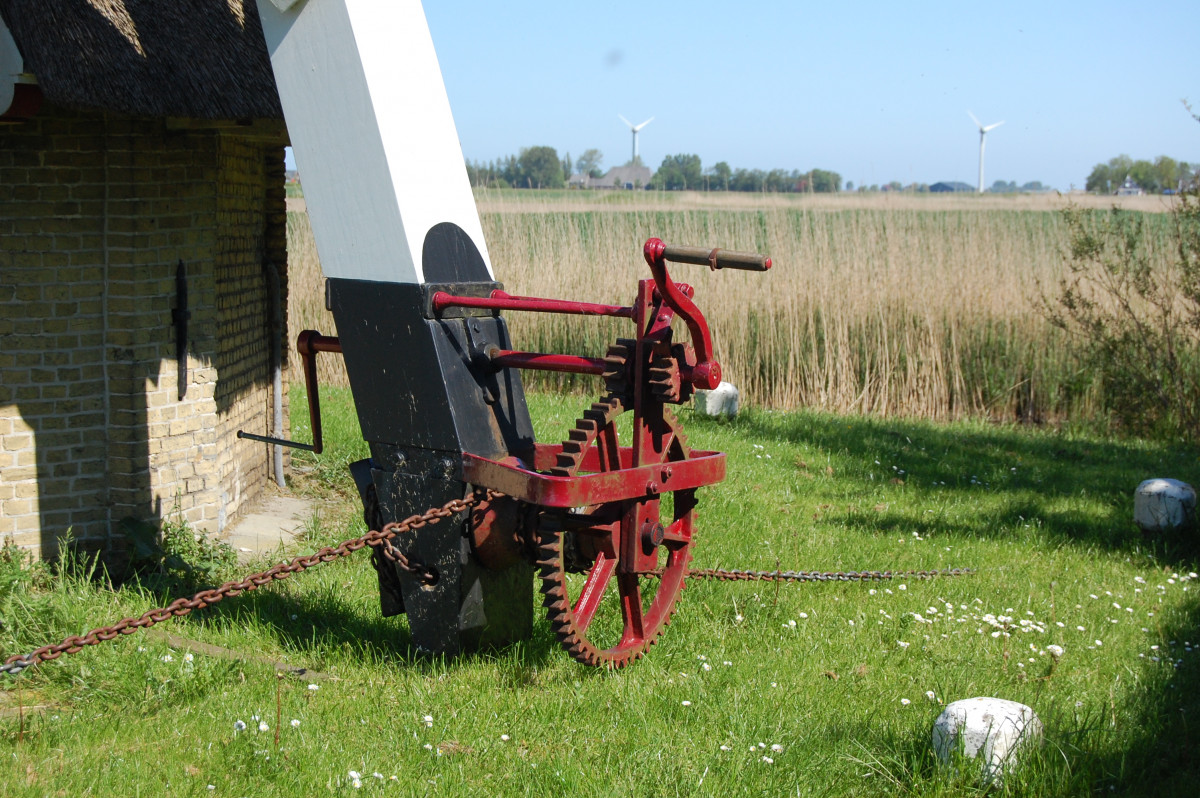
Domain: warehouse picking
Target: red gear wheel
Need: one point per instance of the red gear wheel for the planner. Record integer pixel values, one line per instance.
(609, 616)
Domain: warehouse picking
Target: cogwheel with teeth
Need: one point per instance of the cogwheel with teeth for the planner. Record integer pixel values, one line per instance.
(609, 616)
(666, 376)
(618, 381)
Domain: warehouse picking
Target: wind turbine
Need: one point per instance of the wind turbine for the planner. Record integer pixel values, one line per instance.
(634, 129)
(983, 131)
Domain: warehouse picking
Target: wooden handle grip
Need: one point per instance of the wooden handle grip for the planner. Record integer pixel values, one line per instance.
(717, 258)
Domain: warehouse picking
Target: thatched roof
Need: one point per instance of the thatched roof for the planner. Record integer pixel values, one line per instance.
(203, 59)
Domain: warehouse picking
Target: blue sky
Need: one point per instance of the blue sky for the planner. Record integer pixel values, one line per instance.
(873, 91)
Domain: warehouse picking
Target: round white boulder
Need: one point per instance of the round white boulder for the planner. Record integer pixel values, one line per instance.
(1162, 505)
(991, 729)
(721, 401)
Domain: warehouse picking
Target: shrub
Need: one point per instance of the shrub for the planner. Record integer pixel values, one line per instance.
(174, 558)
(1137, 325)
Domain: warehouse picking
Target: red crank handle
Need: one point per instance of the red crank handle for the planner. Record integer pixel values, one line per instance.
(717, 258)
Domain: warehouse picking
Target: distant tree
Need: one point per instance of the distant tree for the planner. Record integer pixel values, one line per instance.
(747, 180)
(721, 174)
(589, 162)
(1143, 173)
(566, 166)
(826, 182)
(1004, 187)
(1034, 186)
(778, 180)
(1171, 173)
(510, 171)
(679, 172)
(1120, 167)
(849, 185)
(539, 167)
(1100, 180)
(1161, 174)
(1106, 178)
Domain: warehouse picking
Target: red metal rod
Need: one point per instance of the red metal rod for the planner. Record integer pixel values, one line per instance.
(499, 300)
(571, 364)
(311, 341)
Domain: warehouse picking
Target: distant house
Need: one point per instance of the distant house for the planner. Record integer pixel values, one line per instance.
(621, 177)
(143, 267)
(950, 186)
(1130, 189)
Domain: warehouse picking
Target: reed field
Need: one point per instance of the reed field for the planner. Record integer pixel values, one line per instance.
(910, 305)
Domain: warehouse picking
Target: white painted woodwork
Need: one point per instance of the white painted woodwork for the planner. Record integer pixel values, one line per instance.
(1162, 505)
(992, 730)
(11, 67)
(372, 132)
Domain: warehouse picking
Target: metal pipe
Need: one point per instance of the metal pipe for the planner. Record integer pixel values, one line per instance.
(536, 361)
(274, 297)
(499, 300)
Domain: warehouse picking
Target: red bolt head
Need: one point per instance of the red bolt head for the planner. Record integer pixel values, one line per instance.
(707, 375)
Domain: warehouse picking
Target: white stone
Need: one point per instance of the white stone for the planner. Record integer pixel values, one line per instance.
(1161, 505)
(990, 728)
(722, 401)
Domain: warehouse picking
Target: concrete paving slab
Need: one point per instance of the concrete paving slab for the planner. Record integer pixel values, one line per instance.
(272, 522)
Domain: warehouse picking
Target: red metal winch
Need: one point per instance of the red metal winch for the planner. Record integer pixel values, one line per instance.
(608, 516)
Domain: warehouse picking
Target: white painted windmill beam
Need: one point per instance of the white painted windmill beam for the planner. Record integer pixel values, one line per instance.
(372, 132)
(11, 67)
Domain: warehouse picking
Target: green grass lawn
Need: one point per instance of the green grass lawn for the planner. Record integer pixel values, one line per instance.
(814, 689)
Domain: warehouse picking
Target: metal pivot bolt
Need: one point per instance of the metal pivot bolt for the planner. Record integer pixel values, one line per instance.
(653, 535)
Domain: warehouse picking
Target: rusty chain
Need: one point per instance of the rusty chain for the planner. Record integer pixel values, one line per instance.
(721, 575)
(382, 540)
(205, 598)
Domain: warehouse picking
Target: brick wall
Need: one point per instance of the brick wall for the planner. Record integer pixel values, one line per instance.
(243, 350)
(95, 213)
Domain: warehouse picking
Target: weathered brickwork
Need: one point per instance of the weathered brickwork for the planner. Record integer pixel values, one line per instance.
(244, 392)
(96, 211)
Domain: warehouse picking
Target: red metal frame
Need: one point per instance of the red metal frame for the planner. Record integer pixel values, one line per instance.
(630, 483)
(642, 472)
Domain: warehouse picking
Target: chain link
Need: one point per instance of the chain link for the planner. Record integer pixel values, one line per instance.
(721, 575)
(382, 540)
(205, 598)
